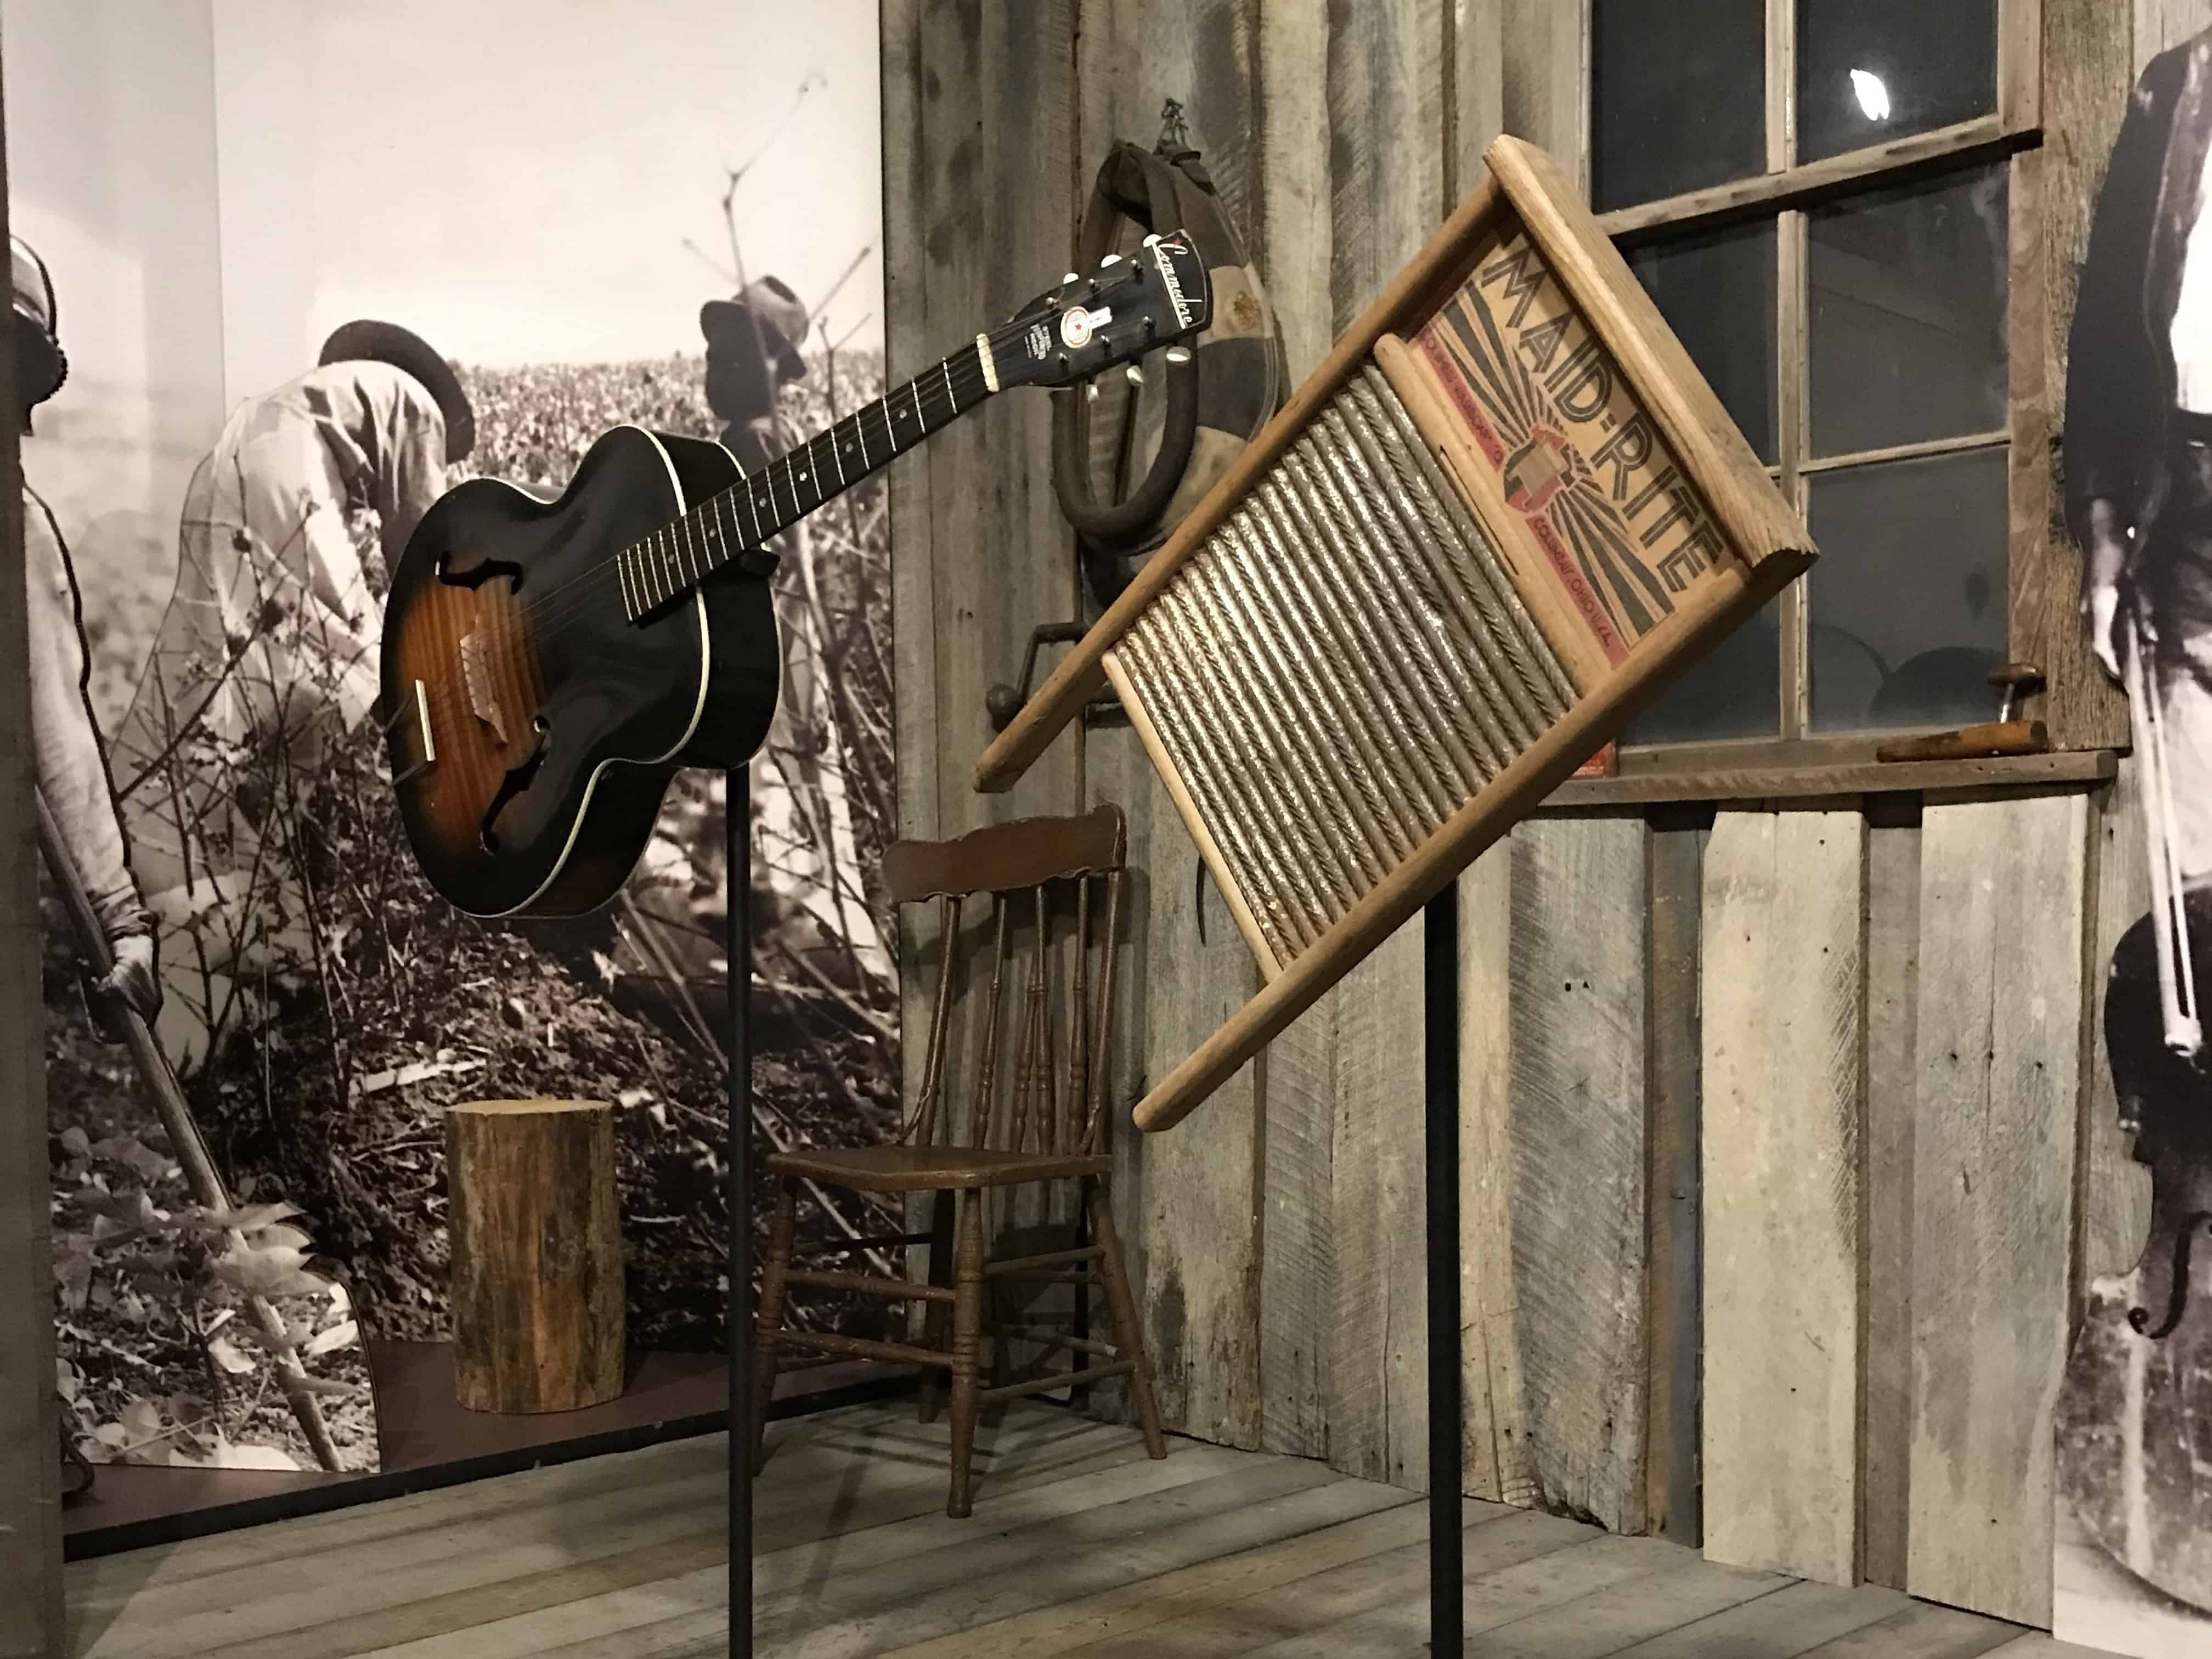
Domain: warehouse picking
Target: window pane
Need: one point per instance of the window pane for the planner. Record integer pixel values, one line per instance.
(1908, 313)
(1871, 70)
(1733, 692)
(1909, 596)
(1678, 97)
(1716, 289)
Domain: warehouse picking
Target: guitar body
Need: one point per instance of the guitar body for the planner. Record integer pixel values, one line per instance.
(533, 728)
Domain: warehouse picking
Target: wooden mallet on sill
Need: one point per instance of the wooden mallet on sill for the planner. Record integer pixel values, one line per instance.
(2016, 682)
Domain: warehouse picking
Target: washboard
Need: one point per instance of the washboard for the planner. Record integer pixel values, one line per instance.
(1501, 515)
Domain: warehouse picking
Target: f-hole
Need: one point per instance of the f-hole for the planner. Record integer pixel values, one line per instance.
(517, 780)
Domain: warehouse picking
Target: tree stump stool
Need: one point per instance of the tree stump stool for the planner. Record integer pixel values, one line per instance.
(537, 1255)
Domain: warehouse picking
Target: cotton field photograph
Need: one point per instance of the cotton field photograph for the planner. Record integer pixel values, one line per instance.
(250, 1191)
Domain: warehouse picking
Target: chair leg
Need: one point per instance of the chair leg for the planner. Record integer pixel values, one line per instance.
(967, 1322)
(1129, 1334)
(767, 1322)
(936, 1318)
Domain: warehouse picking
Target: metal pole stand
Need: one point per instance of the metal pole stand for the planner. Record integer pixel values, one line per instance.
(737, 832)
(1440, 1095)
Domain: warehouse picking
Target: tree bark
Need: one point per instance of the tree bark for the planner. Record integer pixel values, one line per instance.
(537, 1295)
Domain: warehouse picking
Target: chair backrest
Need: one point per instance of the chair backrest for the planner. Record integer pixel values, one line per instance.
(1029, 867)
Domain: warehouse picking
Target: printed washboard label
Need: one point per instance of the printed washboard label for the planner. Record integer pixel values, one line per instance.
(1621, 531)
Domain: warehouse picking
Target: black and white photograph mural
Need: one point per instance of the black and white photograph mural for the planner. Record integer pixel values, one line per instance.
(2133, 1572)
(417, 276)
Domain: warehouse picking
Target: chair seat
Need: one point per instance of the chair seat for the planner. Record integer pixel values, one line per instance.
(900, 1169)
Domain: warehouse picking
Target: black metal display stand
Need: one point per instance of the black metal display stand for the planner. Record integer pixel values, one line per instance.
(1440, 1105)
(737, 832)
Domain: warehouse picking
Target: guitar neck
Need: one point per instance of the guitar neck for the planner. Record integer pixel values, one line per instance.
(760, 507)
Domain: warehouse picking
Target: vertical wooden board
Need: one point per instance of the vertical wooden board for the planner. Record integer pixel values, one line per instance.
(1892, 977)
(1202, 1200)
(1133, 56)
(2115, 1189)
(2087, 74)
(1495, 1444)
(998, 142)
(1577, 961)
(1544, 97)
(1475, 102)
(1294, 142)
(30, 1464)
(1385, 80)
(2001, 911)
(1781, 1058)
(906, 335)
(1381, 71)
(978, 197)
(1298, 1241)
(1674, 1100)
(1378, 1336)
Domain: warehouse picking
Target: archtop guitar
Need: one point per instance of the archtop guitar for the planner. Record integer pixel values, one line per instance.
(547, 665)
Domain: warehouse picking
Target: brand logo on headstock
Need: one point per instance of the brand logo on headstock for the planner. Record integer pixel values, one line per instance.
(1176, 297)
(1040, 341)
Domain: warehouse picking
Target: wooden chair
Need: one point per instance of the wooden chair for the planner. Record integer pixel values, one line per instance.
(1047, 1129)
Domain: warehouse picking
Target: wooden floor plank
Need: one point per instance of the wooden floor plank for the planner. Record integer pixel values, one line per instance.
(2039, 1645)
(323, 1616)
(806, 1449)
(1401, 1630)
(989, 1580)
(1331, 1597)
(108, 1579)
(1680, 1593)
(1153, 1610)
(1779, 1626)
(793, 1567)
(1920, 1631)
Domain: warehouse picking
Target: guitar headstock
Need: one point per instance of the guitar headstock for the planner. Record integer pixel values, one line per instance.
(1131, 305)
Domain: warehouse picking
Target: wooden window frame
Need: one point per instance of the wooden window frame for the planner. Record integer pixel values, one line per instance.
(2042, 563)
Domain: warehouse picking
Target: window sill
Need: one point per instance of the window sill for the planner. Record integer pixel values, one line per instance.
(1827, 780)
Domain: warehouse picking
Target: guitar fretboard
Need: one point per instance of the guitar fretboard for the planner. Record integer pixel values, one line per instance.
(758, 508)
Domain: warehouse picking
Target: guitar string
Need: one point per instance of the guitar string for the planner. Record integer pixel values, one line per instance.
(1007, 336)
(966, 388)
(548, 616)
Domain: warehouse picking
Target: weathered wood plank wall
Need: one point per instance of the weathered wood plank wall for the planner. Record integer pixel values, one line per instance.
(1750, 1257)
(1282, 1291)
(1782, 1055)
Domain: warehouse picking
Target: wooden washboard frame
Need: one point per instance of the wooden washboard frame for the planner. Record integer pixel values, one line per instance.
(1523, 247)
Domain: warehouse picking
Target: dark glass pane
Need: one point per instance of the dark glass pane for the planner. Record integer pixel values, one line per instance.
(1716, 289)
(1731, 692)
(1908, 313)
(1908, 598)
(1678, 97)
(1871, 70)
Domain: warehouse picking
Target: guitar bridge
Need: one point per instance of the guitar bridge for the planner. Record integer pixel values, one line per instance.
(475, 675)
(417, 705)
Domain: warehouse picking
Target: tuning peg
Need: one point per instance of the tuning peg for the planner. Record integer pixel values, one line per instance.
(1136, 373)
(1111, 259)
(1178, 354)
(1153, 240)
(1090, 392)
(1072, 277)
